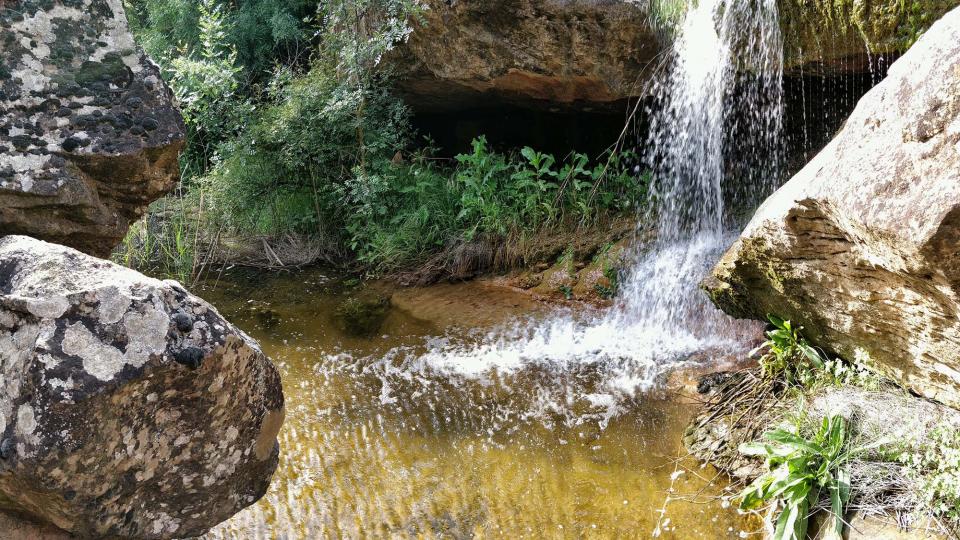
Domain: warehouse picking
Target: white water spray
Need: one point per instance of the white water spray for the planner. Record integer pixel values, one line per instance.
(714, 137)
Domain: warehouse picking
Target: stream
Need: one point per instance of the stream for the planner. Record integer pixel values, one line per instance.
(478, 413)
(377, 446)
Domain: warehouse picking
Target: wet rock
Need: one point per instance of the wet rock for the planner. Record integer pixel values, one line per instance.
(860, 247)
(70, 73)
(115, 419)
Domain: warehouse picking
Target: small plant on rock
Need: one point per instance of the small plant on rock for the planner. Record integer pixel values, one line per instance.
(799, 470)
(788, 354)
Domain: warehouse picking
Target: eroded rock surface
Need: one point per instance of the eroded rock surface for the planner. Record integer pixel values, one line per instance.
(557, 51)
(593, 53)
(862, 246)
(128, 407)
(89, 134)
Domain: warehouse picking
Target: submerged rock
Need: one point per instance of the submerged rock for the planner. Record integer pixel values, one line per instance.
(363, 314)
(128, 407)
(89, 134)
(861, 246)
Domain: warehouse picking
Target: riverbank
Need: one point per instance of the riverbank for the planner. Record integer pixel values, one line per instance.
(571, 262)
(888, 463)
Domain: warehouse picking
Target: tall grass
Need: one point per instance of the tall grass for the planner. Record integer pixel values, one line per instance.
(165, 242)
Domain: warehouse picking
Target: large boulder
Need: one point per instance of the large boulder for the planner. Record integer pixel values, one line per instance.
(526, 51)
(128, 407)
(89, 134)
(862, 246)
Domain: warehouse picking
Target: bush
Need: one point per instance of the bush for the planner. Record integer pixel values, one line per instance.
(281, 145)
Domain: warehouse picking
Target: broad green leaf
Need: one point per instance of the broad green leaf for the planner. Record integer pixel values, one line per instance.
(790, 439)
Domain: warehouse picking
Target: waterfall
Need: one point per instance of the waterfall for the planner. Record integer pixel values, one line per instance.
(714, 137)
(714, 144)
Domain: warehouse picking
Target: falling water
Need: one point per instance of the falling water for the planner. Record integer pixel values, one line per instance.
(537, 428)
(714, 145)
(715, 136)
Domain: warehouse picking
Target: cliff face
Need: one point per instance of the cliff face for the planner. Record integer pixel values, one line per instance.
(588, 53)
(556, 51)
(89, 134)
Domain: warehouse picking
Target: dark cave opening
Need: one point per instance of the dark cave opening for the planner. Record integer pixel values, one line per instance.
(508, 126)
(815, 106)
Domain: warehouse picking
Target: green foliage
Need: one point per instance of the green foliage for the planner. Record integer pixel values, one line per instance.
(934, 465)
(788, 355)
(315, 143)
(206, 85)
(799, 469)
(666, 15)
(163, 243)
(264, 32)
(399, 213)
(915, 19)
(609, 266)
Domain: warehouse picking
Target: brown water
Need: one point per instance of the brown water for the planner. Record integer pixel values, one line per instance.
(377, 446)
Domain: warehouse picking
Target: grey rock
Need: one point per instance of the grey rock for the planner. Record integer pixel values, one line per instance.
(70, 180)
(115, 420)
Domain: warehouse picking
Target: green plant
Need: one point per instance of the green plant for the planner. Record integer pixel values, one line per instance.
(287, 142)
(799, 469)
(164, 243)
(933, 463)
(788, 355)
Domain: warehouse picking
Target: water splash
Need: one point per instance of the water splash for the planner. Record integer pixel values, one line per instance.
(714, 144)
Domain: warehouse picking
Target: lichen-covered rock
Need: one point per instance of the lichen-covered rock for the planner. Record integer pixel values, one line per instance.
(862, 246)
(128, 407)
(89, 134)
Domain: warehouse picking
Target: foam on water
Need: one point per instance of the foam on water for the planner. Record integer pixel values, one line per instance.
(722, 91)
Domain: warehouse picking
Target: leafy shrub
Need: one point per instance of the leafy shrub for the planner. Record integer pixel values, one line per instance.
(788, 356)
(799, 469)
(400, 213)
(282, 141)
